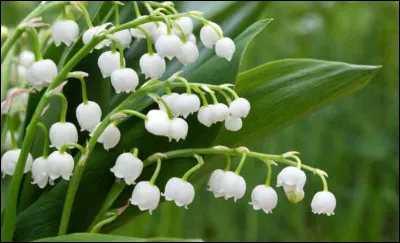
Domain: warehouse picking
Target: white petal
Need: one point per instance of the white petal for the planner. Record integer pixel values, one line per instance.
(124, 80)
(62, 133)
(65, 31)
(209, 36)
(152, 66)
(108, 62)
(88, 115)
(225, 48)
(233, 124)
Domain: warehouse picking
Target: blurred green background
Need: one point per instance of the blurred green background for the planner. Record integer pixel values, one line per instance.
(355, 140)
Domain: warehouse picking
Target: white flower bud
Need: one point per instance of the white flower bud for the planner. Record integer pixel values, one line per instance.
(88, 115)
(233, 124)
(26, 58)
(205, 115)
(180, 191)
(159, 30)
(62, 133)
(124, 80)
(91, 32)
(168, 46)
(292, 179)
(127, 167)
(213, 182)
(186, 104)
(225, 48)
(40, 174)
(323, 202)
(239, 108)
(108, 62)
(208, 35)
(110, 136)
(146, 196)
(157, 122)
(152, 66)
(264, 197)
(189, 53)
(292, 195)
(186, 24)
(149, 27)
(124, 37)
(42, 73)
(9, 161)
(191, 38)
(178, 129)
(60, 165)
(65, 31)
(231, 185)
(220, 112)
(171, 100)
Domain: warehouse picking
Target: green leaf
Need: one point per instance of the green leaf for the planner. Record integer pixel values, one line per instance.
(88, 237)
(42, 218)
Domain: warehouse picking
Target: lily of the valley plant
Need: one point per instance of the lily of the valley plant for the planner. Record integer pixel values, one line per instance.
(170, 38)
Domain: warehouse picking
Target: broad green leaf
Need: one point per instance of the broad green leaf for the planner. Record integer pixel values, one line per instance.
(42, 218)
(90, 237)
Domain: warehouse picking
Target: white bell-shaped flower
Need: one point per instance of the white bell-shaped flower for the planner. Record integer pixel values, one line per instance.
(127, 167)
(26, 58)
(65, 31)
(171, 100)
(186, 24)
(213, 182)
(152, 66)
(124, 80)
(146, 196)
(124, 37)
(323, 202)
(186, 104)
(233, 124)
(225, 48)
(220, 112)
(208, 35)
(264, 197)
(160, 29)
(205, 115)
(178, 129)
(60, 165)
(88, 115)
(179, 191)
(157, 123)
(62, 133)
(149, 27)
(42, 73)
(189, 53)
(232, 185)
(168, 46)
(9, 161)
(110, 136)
(192, 38)
(239, 108)
(94, 31)
(40, 175)
(108, 62)
(292, 179)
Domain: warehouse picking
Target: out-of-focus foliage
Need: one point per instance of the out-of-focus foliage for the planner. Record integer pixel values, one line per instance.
(355, 140)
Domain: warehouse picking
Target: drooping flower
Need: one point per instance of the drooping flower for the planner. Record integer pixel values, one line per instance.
(239, 108)
(186, 104)
(186, 25)
(160, 29)
(127, 167)
(42, 73)
(60, 165)
(152, 66)
(177, 129)
(124, 80)
(264, 197)
(40, 175)
(124, 37)
(231, 185)
(323, 202)
(171, 100)
(168, 46)
(213, 182)
(110, 136)
(62, 133)
(220, 112)
(189, 53)
(26, 58)
(108, 62)
(233, 124)
(292, 179)
(65, 31)
(9, 161)
(205, 115)
(225, 48)
(179, 191)
(88, 115)
(157, 123)
(208, 35)
(146, 196)
(94, 31)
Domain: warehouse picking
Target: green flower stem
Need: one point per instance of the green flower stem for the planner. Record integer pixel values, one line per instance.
(167, 109)
(116, 11)
(135, 152)
(83, 84)
(168, 90)
(167, 22)
(234, 94)
(75, 145)
(113, 47)
(325, 184)
(45, 139)
(156, 172)
(240, 166)
(207, 22)
(268, 181)
(194, 168)
(149, 8)
(181, 32)
(136, 7)
(214, 98)
(148, 39)
(202, 96)
(63, 115)
(228, 162)
(135, 113)
(36, 44)
(112, 195)
(297, 159)
(227, 98)
(160, 5)
(99, 225)
(121, 56)
(5, 48)
(85, 14)
(186, 83)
